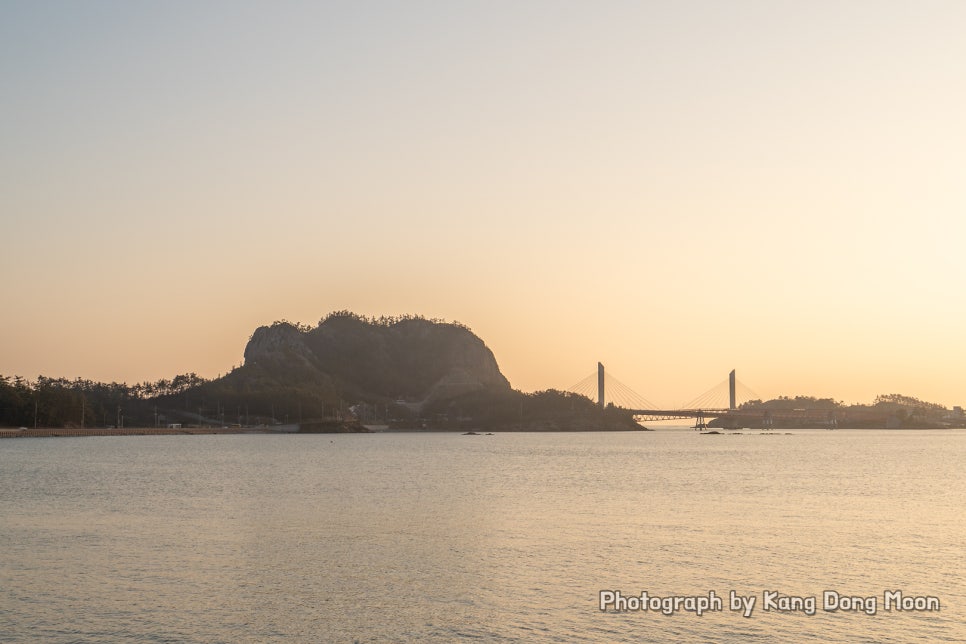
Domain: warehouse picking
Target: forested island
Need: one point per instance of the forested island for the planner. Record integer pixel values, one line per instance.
(347, 372)
(889, 411)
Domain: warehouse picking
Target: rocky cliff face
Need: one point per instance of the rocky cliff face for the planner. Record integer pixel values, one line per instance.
(277, 344)
(413, 359)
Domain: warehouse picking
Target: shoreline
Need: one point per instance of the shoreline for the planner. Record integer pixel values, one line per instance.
(133, 431)
(200, 431)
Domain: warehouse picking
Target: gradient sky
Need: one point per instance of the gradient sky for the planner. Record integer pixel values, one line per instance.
(673, 188)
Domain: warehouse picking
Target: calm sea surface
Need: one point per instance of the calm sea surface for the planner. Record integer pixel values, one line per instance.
(444, 537)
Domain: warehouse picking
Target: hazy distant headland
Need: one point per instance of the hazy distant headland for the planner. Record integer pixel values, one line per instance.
(348, 371)
(889, 411)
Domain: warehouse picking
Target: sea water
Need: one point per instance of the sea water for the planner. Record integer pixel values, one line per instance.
(821, 536)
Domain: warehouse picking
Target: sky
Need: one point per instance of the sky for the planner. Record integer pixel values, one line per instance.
(675, 189)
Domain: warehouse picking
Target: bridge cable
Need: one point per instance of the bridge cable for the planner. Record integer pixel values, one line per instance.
(714, 398)
(626, 397)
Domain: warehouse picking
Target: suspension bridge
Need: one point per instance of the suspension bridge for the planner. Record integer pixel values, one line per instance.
(718, 401)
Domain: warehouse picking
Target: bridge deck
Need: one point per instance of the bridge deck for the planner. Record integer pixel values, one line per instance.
(680, 413)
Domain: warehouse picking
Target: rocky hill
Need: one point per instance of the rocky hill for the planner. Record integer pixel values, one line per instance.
(344, 373)
(406, 372)
(412, 359)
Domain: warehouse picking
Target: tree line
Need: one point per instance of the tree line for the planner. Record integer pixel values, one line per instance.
(60, 402)
(382, 320)
(882, 402)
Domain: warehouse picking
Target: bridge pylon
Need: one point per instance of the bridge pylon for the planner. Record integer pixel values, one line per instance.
(600, 385)
(732, 399)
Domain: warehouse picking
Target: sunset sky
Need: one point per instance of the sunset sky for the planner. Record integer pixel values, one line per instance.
(675, 189)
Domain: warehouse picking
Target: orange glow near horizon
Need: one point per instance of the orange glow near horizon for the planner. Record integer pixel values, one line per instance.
(671, 191)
